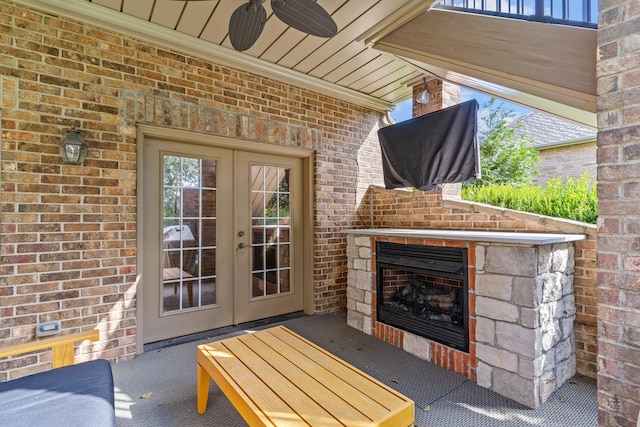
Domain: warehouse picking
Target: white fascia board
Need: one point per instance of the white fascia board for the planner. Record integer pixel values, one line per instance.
(567, 143)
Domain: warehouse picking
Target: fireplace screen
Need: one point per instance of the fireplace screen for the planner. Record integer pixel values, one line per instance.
(423, 290)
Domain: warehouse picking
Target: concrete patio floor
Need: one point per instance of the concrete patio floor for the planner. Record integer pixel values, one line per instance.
(158, 388)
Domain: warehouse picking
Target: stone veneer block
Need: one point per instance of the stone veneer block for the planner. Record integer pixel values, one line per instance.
(418, 346)
(480, 255)
(496, 309)
(485, 331)
(497, 357)
(496, 286)
(530, 317)
(514, 260)
(367, 327)
(363, 280)
(518, 339)
(525, 291)
(362, 241)
(484, 375)
(362, 264)
(364, 252)
(355, 319)
(516, 387)
(363, 308)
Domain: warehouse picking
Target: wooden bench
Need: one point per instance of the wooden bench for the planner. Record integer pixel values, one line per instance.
(274, 377)
(61, 347)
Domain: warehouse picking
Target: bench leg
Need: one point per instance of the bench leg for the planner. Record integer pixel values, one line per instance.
(203, 389)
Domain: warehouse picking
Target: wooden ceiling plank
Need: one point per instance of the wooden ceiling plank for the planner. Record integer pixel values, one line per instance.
(357, 62)
(138, 8)
(218, 27)
(345, 54)
(393, 90)
(399, 94)
(309, 45)
(400, 74)
(111, 4)
(356, 75)
(273, 30)
(167, 13)
(362, 23)
(195, 16)
(376, 75)
(288, 40)
(291, 37)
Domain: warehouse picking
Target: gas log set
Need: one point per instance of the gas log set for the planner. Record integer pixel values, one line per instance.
(423, 290)
(425, 300)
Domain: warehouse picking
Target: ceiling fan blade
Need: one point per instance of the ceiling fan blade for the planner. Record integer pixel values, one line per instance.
(246, 24)
(306, 16)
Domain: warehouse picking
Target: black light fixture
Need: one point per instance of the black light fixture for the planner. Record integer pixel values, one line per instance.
(423, 98)
(73, 147)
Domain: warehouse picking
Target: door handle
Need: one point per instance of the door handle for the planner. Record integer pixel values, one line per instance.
(242, 245)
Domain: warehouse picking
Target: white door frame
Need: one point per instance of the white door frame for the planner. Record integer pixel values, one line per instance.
(190, 137)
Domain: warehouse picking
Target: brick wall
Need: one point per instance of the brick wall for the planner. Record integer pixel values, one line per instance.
(68, 233)
(416, 209)
(569, 161)
(618, 74)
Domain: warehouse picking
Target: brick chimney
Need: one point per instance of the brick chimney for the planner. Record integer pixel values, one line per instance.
(441, 95)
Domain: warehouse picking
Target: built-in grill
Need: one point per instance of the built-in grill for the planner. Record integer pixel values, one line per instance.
(424, 290)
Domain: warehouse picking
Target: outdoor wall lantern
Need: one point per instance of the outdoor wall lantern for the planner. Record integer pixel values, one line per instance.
(423, 98)
(73, 147)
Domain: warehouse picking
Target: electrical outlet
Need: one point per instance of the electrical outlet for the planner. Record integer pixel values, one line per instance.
(48, 328)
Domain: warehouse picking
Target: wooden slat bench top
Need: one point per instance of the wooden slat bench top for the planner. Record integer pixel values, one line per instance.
(275, 377)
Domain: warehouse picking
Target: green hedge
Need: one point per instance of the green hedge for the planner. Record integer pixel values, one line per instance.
(574, 199)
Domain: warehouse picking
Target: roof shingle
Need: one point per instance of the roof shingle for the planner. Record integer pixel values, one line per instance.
(549, 130)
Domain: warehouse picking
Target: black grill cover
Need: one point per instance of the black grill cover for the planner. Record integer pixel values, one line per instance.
(437, 148)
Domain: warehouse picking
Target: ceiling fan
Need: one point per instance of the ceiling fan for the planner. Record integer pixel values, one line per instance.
(247, 21)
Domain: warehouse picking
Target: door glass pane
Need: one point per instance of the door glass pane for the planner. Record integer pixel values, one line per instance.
(208, 203)
(188, 235)
(271, 219)
(208, 232)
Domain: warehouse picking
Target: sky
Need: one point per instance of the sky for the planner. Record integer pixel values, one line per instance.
(403, 110)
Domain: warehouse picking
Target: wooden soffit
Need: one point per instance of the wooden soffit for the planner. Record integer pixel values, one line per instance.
(544, 66)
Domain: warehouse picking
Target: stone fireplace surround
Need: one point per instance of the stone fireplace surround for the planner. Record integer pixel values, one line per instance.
(521, 307)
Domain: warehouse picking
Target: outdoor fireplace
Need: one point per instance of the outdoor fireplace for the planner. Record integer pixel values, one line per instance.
(496, 307)
(424, 290)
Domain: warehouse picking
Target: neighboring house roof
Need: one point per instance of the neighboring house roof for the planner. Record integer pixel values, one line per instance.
(549, 131)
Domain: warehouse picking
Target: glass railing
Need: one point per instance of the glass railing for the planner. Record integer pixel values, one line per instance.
(583, 13)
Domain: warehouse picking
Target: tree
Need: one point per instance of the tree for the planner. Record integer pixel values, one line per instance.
(505, 155)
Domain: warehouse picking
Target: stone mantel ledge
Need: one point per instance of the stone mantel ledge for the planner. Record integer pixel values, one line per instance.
(535, 239)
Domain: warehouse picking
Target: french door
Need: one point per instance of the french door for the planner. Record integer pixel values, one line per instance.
(222, 237)
(269, 279)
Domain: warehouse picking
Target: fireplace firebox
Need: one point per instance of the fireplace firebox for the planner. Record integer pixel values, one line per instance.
(424, 290)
